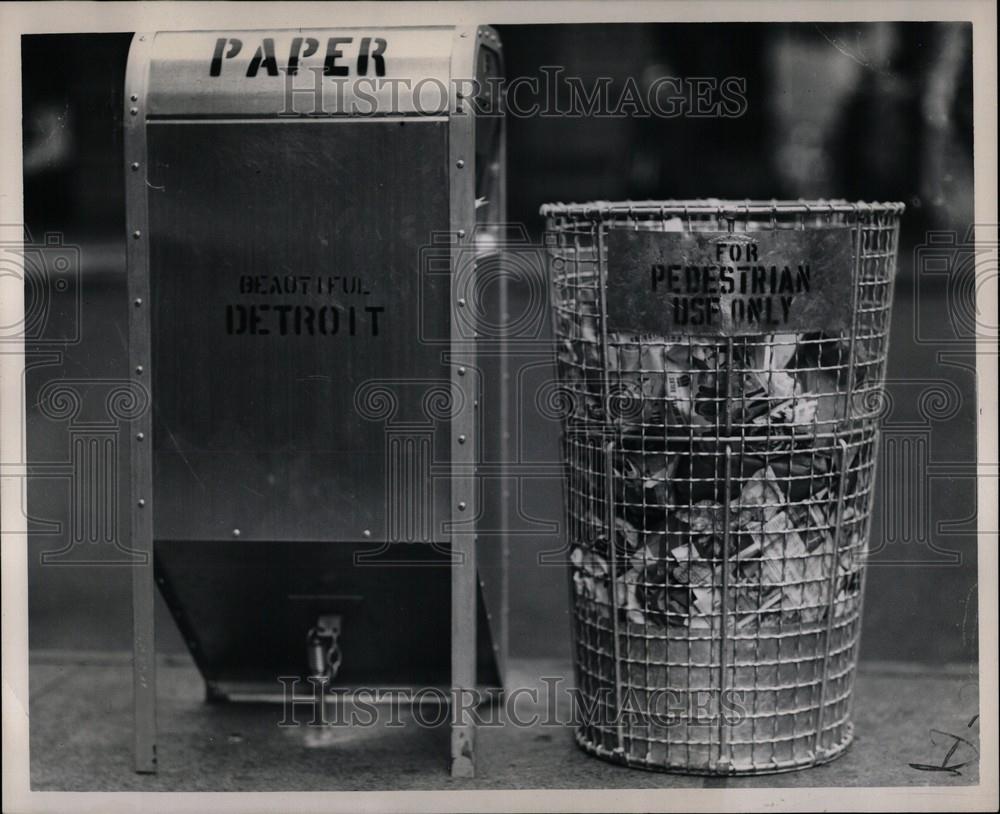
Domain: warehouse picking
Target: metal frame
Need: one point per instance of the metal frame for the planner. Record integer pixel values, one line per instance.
(488, 38)
(464, 503)
(463, 356)
(140, 433)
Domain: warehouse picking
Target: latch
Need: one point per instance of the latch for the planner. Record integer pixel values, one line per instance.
(322, 651)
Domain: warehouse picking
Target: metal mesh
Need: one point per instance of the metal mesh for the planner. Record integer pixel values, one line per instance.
(718, 495)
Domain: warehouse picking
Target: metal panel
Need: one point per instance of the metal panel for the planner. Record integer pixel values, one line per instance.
(244, 608)
(263, 421)
(725, 283)
(413, 79)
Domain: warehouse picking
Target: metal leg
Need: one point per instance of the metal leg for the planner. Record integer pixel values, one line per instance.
(144, 662)
(463, 660)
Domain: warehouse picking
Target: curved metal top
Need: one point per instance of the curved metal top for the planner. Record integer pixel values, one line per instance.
(602, 210)
(315, 73)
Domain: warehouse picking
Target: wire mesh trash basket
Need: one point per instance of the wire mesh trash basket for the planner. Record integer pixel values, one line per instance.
(720, 369)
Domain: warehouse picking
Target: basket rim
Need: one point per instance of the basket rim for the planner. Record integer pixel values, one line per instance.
(603, 210)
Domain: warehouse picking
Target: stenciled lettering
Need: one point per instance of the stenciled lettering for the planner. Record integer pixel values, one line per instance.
(341, 56)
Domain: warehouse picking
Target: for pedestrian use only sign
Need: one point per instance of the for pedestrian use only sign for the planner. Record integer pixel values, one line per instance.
(730, 283)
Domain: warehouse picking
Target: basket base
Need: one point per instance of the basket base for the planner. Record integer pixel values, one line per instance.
(732, 770)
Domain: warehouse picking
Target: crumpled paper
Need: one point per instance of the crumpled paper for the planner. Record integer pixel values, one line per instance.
(672, 402)
(780, 380)
(779, 560)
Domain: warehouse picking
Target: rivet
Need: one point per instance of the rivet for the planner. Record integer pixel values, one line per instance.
(134, 97)
(138, 369)
(139, 436)
(461, 302)
(461, 232)
(461, 371)
(366, 533)
(135, 165)
(461, 439)
(460, 163)
(141, 502)
(461, 506)
(134, 111)
(236, 532)
(136, 234)
(138, 301)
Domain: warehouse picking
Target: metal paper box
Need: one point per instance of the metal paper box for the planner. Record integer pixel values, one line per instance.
(302, 224)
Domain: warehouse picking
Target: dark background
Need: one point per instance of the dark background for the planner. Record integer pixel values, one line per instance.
(863, 112)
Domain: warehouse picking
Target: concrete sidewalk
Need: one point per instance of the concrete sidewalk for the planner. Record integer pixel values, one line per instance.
(81, 738)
